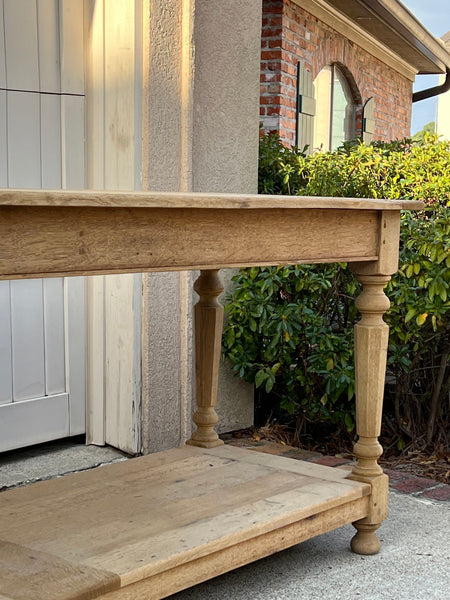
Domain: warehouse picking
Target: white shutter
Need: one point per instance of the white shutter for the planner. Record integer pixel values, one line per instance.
(368, 121)
(306, 109)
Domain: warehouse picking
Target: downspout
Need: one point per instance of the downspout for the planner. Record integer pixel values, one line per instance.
(434, 91)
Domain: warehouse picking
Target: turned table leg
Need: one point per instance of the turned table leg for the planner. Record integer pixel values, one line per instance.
(371, 343)
(208, 315)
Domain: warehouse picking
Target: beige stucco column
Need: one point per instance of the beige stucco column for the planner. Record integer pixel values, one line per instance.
(200, 133)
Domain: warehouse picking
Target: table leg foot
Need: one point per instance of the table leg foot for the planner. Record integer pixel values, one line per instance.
(365, 540)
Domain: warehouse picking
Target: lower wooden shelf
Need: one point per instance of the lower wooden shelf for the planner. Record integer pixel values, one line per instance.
(151, 526)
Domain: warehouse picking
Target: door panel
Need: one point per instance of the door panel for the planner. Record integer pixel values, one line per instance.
(48, 40)
(34, 421)
(72, 115)
(42, 322)
(51, 141)
(23, 138)
(27, 339)
(21, 44)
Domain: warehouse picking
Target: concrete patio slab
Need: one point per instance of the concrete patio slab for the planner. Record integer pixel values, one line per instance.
(52, 460)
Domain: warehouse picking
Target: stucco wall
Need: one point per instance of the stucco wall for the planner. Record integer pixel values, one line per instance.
(201, 102)
(225, 136)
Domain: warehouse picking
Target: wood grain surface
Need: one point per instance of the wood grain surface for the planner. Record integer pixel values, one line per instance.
(42, 241)
(101, 530)
(96, 198)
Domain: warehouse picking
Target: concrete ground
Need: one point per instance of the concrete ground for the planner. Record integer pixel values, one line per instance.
(52, 460)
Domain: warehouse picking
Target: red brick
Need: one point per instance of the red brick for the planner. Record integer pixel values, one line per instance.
(270, 54)
(414, 484)
(396, 475)
(441, 492)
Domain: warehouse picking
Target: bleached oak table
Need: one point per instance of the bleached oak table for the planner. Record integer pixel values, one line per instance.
(148, 527)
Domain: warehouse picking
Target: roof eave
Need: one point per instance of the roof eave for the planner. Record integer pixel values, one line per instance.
(396, 27)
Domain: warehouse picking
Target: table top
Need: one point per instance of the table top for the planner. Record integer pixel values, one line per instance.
(118, 199)
(48, 233)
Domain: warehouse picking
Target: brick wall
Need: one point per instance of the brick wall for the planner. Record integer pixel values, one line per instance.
(290, 34)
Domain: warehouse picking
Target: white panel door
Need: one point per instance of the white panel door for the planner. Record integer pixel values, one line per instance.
(42, 322)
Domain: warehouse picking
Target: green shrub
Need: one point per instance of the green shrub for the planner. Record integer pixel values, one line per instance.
(290, 329)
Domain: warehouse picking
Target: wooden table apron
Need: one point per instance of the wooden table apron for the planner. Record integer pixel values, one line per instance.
(45, 234)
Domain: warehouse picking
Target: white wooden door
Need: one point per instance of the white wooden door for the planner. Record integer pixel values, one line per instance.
(42, 322)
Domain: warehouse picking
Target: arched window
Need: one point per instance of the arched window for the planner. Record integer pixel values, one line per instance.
(335, 109)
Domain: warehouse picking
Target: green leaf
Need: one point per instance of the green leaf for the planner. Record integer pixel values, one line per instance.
(230, 338)
(253, 272)
(349, 422)
(260, 377)
(275, 368)
(410, 314)
(269, 385)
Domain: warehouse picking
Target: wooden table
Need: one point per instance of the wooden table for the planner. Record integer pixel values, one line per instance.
(151, 526)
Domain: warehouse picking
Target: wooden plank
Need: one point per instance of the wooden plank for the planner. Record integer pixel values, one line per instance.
(95, 95)
(122, 349)
(21, 43)
(214, 564)
(5, 343)
(387, 263)
(103, 198)
(51, 141)
(24, 140)
(48, 42)
(228, 527)
(119, 48)
(95, 389)
(296, 466)
(174, 509)
(35, 496)
(55, 376)
(27, 333)
(88, 240)
(32, 422)
(45, 576)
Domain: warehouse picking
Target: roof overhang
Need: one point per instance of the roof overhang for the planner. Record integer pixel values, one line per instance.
(393, 25)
